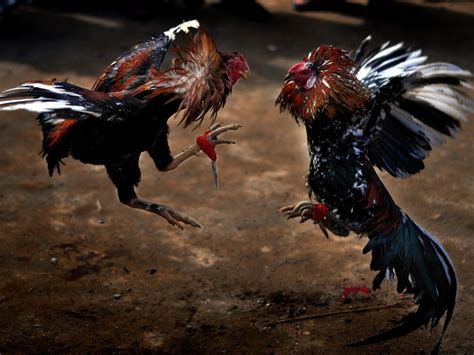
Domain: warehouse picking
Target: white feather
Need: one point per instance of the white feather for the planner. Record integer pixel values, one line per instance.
(434, 70)
(412, 63)
(51, 88)
(385, 52)
(391, 72)
(452, 111)
(408, 59)
(447, 94)
(42, 105)
(456, 102)
(184, 27)
(413, 124)
(401, 69)
(363, 72)
(15, 101)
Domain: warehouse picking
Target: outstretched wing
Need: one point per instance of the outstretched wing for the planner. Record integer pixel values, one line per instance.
(415, 107)
(138, 65)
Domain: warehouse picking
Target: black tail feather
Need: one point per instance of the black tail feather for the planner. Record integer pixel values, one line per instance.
(423, 268)
(51, 96)
(406, 325)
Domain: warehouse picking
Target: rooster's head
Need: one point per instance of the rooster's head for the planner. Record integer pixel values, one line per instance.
(236, 66)
(323, 84)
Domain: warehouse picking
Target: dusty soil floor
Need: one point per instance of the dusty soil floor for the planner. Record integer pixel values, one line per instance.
(81, 272)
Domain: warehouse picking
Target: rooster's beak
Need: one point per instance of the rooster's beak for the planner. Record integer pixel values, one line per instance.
(245, 74)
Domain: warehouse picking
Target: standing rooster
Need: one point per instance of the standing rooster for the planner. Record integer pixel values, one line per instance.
(126, 112)
(382, 108)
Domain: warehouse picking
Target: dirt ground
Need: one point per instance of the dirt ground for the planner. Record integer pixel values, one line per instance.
(80, 272)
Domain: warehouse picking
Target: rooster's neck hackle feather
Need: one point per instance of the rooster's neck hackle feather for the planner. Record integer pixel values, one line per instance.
(335, 91)
(198, 78)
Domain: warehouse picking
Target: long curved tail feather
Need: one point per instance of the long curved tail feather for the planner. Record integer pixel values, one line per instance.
(68, 101)
(422, 267)
(49, 96)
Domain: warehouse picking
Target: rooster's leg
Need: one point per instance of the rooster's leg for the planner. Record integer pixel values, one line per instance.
(125, 174)
(172, 216)
(194, 149)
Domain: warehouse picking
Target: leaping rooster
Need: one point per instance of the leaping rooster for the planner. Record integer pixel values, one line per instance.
(127, 110)
(384, 108)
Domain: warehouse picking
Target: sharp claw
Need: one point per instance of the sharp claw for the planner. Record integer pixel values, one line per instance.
(305, 204)
(191, 222)
(218, 141)
(285, 209)
(305, 209)
(214, 133)
(185, 219)
(215, 126)
(304, 219)
(208, 141)
(298, 210)
(196, 224)
(295, 212)
(214, 173)
(323, 229)
(176, 219)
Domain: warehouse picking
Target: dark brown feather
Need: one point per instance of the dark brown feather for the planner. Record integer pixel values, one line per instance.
(336, 89)
(198, 78)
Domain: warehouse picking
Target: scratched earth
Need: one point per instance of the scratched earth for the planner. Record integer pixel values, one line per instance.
(80, 272)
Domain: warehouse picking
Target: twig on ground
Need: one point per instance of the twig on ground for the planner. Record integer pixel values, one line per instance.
(329, 314)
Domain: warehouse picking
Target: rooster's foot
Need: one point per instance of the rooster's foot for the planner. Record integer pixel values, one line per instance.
(209, 139)
(303, 209)
(306, 210)
(172, 216)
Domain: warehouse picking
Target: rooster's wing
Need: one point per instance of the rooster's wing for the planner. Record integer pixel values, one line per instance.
(415, 105)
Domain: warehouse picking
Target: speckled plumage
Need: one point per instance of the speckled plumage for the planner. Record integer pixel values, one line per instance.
(384, 108)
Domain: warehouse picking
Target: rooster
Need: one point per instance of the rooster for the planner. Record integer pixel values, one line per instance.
(385, 108)
(127, 110)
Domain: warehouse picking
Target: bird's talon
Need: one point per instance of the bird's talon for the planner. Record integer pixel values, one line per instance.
(304, 219)
(218, 141)
(176, 219)
(215, 126)
(306, 210)
(209, 139)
